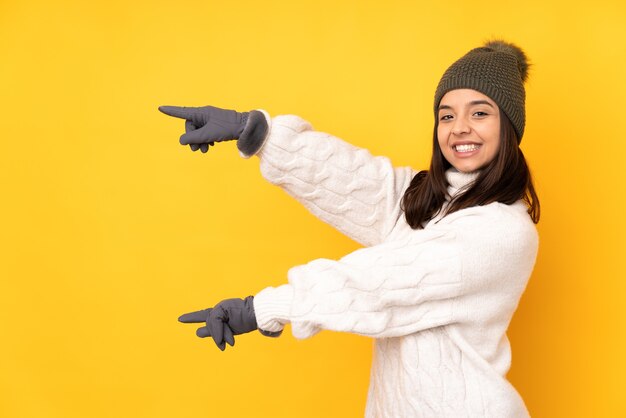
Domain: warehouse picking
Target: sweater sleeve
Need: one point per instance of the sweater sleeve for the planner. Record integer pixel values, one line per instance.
(452, 272)
(343, 185)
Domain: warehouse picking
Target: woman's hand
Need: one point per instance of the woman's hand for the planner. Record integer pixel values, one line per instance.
(228, 318)
(207, 125)
(204, 126)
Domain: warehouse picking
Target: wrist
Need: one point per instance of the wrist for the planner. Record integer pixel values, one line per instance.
(272, 307)
(254, 133)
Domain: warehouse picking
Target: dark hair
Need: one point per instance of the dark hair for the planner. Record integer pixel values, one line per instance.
(506, 179)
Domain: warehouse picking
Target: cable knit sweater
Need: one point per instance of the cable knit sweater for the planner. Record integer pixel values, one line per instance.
(437, 301)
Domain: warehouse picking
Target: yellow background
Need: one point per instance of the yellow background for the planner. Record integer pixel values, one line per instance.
(110, 229)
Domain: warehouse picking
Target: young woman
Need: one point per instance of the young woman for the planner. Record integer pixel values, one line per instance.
(447, 252)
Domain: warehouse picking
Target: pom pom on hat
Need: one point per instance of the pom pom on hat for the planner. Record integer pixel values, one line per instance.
(503, 46)
(498, 69)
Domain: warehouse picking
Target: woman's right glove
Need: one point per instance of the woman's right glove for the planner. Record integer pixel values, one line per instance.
(204, 126)
(228, 318)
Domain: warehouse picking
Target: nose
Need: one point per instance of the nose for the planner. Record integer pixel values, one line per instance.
(460, 126)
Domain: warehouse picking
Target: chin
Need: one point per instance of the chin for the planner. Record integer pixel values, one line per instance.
(465, 169)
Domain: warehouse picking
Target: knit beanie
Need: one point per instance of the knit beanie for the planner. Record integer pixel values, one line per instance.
(498, 70)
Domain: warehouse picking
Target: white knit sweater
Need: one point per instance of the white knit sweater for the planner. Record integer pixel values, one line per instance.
(437, 301)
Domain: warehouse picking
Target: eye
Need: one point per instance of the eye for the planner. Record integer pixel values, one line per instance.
(444, 117)
(481, 112)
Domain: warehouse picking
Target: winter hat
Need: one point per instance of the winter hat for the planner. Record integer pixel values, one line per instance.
(498, 70)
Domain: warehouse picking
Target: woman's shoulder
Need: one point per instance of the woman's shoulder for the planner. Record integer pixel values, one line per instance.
(516, 212)
(495, 217)
(498, 229)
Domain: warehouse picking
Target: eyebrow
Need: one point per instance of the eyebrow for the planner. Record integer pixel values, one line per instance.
(472, 103)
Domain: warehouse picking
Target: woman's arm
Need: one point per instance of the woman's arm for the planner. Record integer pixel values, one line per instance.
(343, 185)
(474, 269)
(389, 292)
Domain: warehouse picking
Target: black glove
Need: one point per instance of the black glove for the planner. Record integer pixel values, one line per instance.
(228, 318)
(204, 126)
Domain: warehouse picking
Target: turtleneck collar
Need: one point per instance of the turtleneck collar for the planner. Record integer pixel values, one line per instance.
(458, 179)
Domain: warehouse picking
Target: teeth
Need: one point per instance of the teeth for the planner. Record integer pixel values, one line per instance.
(467, 148)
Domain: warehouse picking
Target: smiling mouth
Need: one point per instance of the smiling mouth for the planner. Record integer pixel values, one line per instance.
(466, 147)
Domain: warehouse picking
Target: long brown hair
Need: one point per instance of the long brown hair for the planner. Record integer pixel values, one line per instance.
(506, 179)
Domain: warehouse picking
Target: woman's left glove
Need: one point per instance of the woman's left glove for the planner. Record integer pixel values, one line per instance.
(228, 318)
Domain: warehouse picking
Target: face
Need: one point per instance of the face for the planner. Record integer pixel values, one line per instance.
(469, 129)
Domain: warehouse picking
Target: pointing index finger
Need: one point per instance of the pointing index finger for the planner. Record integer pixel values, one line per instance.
(195, 317)
(178, 111)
